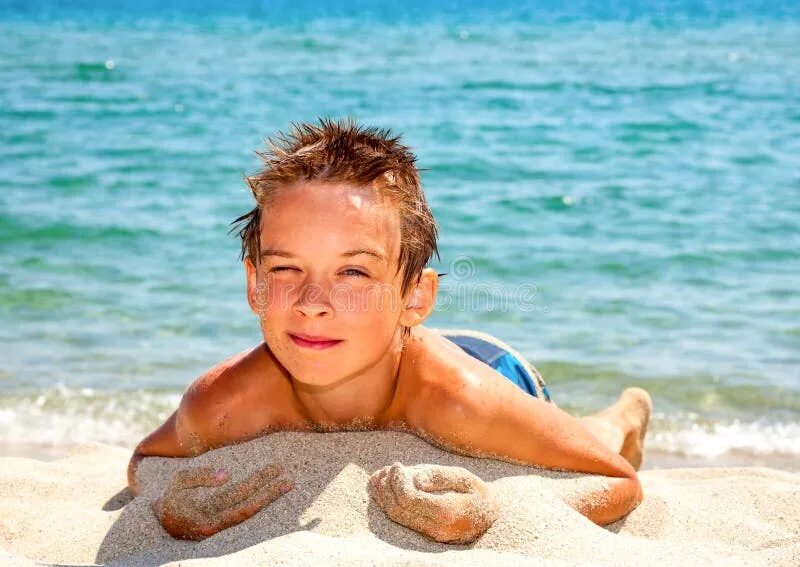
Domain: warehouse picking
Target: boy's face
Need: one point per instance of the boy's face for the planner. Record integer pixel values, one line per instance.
(326, 288)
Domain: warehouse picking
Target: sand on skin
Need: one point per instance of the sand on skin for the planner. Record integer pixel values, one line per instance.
(76, 511)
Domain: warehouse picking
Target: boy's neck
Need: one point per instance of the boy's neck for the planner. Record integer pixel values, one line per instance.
(362, 399)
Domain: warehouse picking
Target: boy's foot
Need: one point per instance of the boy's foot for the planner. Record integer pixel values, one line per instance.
(636, 408)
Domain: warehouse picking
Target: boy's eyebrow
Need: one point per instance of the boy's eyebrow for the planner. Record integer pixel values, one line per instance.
(368, 251)
(274, 252)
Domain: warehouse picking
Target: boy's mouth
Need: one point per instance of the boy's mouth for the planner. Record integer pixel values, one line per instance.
(309, 341)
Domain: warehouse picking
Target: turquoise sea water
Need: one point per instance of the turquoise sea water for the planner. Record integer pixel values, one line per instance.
(618, 192)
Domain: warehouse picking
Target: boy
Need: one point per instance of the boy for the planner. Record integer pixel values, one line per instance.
(335, 253)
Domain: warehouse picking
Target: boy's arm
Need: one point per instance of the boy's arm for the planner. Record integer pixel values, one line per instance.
(482, 414)
(172, 439)
(162, 441)
(198, 424)
(192, 429)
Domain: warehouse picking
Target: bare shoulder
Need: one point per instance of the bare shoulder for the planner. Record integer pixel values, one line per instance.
(238, 399)
(436, 362)
(439, 374)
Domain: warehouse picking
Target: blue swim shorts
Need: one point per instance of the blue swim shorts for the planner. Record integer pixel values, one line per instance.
(501, 357)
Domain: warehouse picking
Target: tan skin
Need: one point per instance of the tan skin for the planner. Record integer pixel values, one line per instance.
(325, 252)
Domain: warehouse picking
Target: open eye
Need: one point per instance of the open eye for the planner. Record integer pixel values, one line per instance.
(354, 272)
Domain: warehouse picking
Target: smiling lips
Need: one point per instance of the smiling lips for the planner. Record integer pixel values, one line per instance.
(309, 341)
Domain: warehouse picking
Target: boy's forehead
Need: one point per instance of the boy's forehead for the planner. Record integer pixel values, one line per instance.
(332, 212)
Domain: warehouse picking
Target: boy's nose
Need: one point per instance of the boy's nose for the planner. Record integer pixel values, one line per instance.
(313, 301)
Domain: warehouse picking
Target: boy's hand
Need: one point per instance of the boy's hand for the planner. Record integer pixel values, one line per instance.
(446, 504)
(185, 517)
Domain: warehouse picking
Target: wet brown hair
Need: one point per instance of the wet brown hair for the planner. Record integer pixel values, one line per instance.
(345, 152)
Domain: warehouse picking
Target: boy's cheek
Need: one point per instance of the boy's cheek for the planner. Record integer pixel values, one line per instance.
(372, 308)
(270, 298)
(378, 298)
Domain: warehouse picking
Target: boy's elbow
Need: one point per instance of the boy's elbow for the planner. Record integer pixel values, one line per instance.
(165, 441)
(638, 492)
(614, 503)
(633, 489)
(632, 495)
(151, 446)
(133, 467)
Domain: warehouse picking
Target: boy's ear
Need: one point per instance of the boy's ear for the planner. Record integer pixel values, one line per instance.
(252, 284)
(421, 299)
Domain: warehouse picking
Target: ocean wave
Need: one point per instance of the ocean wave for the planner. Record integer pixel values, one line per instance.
(63, 416)
(687, 435)
(69, 416)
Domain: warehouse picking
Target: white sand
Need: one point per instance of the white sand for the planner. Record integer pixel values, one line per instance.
(71, 511)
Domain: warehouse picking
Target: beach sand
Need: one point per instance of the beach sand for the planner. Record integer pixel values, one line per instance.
(76, 510)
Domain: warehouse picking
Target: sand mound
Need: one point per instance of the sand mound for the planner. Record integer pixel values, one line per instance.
(76, 511)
